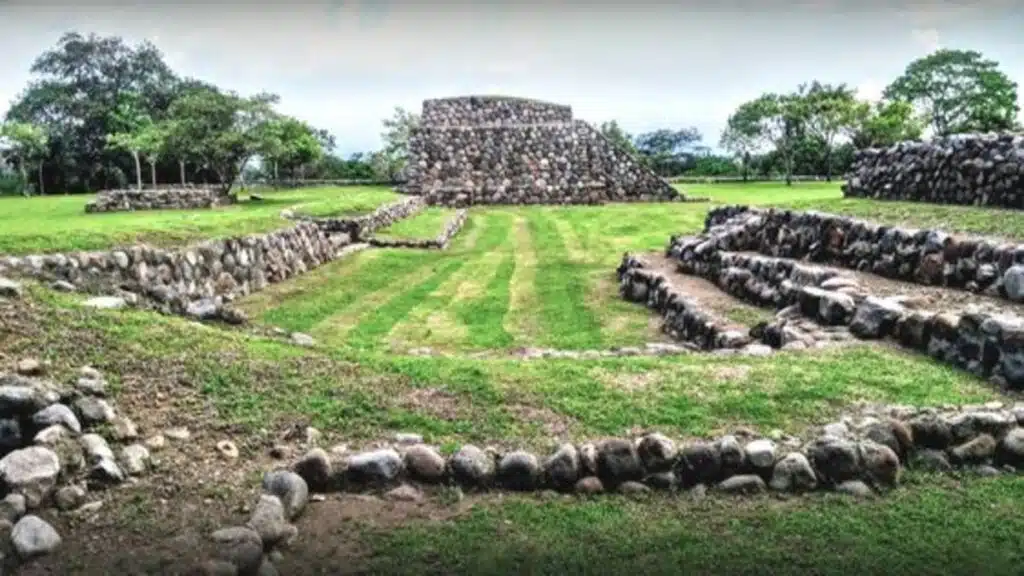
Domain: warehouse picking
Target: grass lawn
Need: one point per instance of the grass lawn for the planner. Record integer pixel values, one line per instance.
(533, 276)
(60, 224)
(427, 224)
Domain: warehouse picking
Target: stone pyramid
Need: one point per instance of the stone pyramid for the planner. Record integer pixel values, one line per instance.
(500, 150)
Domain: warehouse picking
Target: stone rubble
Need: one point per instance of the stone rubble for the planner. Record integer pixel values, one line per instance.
(967, 169)
(174, 197)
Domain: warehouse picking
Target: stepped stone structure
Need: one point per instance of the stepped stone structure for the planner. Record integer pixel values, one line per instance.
(969, 169)
(174, 197)
(500, 150)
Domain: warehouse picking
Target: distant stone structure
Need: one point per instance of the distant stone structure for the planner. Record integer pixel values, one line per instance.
(969, 169)
(162, 198)
(501, 150)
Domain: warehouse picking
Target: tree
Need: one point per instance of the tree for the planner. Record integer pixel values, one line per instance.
(220, 129)
(668, 151)
(397, 131)
(740, 144)
(826, 112)
(151, 141)
(26, 143)
(617, 136)
(884, 124)
(958, 91)
(75, 89)
(288, 142)
(770, 120)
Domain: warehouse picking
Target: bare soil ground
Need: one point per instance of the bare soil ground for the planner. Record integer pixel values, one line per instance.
(735, 314)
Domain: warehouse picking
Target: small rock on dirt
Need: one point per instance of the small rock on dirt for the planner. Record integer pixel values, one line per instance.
(472, 466)
(124, 429)
(404, 493)
(290, 488)
(156, 442)
(227, 449)
(57, 414)
(300, 339)
(29, 367)
(742, 484)
(70, 497)
(240, 546)
(105, 303)
(855, 488)
(424, 463)
(31, 472)
(135, 459)
(178, 434)
(589, 485)
(94, 410)
(9, 288)
(32, 536)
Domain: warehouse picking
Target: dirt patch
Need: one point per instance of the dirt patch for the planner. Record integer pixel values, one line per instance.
(434, 401)
(554, 424)
(731, 313)
(727, 372)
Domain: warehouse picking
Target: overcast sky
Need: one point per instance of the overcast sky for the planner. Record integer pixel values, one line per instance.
(344, 66)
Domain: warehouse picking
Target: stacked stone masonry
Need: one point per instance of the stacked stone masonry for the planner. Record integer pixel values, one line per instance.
(451, 228)
(860, 454)
(496, 150)
(748, 253)
(59, 445)
(361, 228)
(201, 281)
(164, 198)
(977, 169)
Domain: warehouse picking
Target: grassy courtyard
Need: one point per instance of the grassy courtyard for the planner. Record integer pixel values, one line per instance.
(514, 277)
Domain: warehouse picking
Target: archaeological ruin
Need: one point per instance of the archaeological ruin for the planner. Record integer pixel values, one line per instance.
(967, 169)
(498, 150)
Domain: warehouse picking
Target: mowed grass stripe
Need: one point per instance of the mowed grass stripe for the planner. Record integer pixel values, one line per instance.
(302, 302)
(431, 322)
(485, 315)
(565, 319)
(521, 320)
(622, 323)
(397, 270)
(382, 319)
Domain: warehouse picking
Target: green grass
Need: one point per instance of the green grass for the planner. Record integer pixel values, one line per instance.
(60, 224)
(427, 224)
(932, 529)
(543, 276)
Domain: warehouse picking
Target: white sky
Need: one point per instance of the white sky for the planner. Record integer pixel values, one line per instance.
(344, 66)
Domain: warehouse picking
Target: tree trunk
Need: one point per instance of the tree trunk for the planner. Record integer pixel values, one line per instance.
(275, 171)
(152, 172)
(828, 163)
(24, 178)
(42, 187)
(789, 169)
(181, 170)
(138, 169)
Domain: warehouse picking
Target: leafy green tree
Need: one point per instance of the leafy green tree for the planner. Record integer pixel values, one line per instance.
(290, 143)
(619, 137)
(958, 91)
(884, 124)
(826, 113)
(741, 144)
(669, 152)
(75, 90)
(771, 120)
(220, 129)
(395, 136)
(25, 143)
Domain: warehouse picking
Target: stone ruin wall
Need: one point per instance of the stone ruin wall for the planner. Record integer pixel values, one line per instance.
(976, 169)
(754, 254)
(495, 150)
(200, 280)
(174, 197)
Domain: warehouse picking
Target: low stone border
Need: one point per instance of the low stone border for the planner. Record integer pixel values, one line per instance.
(932, 257)
(988, 345)
(54, 455)
(451, 228)
(860, 454)
(361, 228)
(684, 320)
(163, 198)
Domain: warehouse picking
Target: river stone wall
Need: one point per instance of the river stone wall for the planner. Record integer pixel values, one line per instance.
(511, 151)
(988, 344)
(933, 257)
(361, 228)
(451, 228)
(196, 281)
(492, 111)
(164, 198)
(975, 169)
